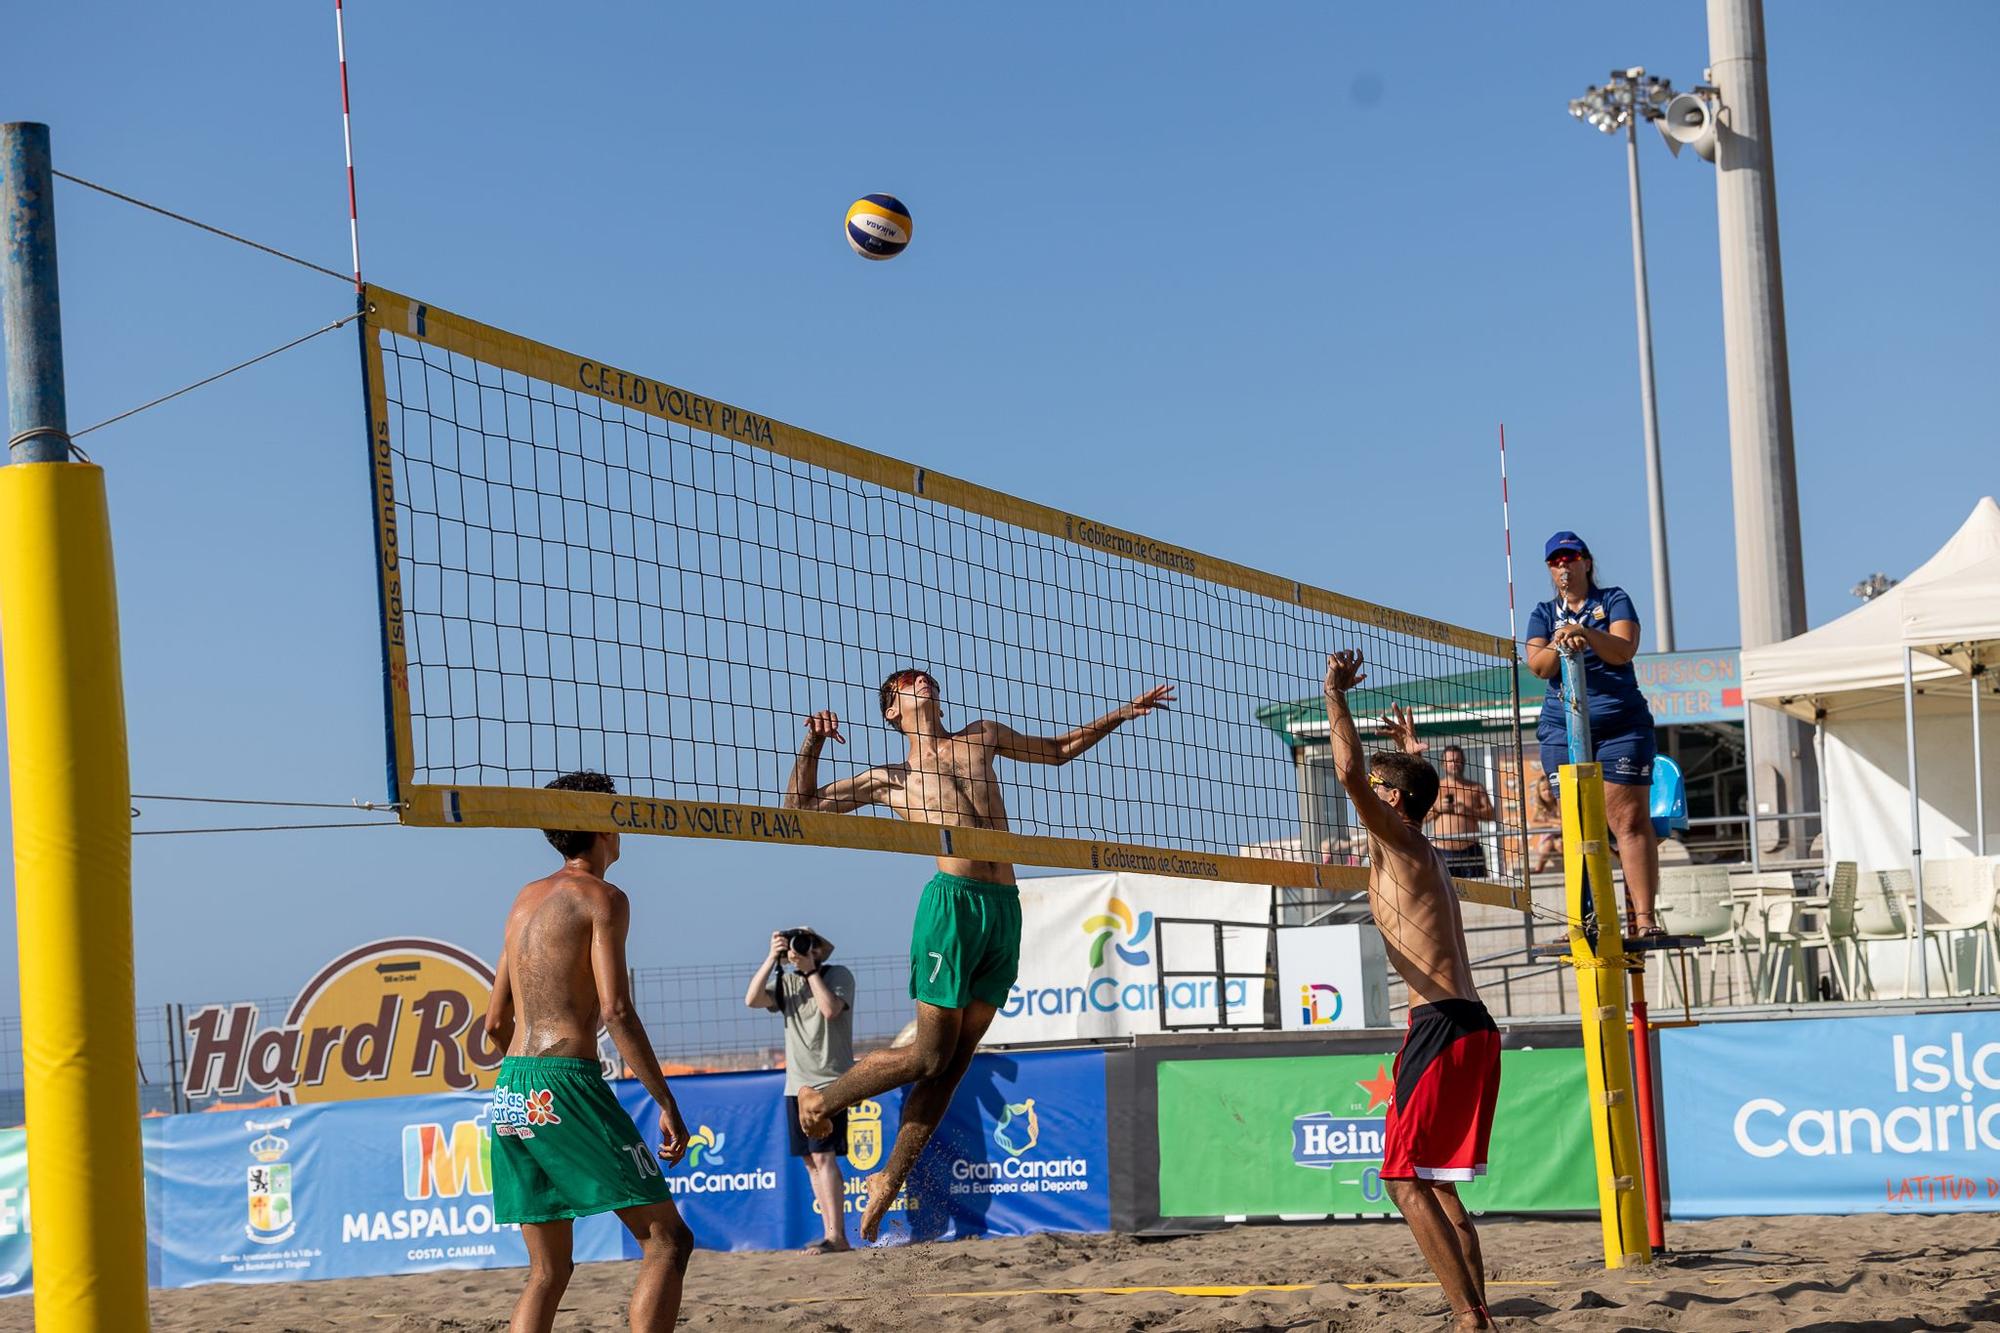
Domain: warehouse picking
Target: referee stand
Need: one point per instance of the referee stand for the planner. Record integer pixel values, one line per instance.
(1618, 1061)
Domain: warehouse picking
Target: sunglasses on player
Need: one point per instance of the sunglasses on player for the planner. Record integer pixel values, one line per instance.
(1561, 558)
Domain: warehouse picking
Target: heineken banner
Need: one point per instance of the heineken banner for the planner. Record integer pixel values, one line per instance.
(1303, 1135)
(1090, 956)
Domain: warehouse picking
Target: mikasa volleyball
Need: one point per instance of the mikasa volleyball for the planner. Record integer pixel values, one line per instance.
(878, 226)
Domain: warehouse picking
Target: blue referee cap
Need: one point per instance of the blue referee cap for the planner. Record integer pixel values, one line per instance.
(1565, 541)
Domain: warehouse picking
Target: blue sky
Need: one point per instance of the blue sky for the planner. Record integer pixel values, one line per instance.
(1260, 280)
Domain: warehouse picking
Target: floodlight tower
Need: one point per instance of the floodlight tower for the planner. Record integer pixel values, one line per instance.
(1629, 97)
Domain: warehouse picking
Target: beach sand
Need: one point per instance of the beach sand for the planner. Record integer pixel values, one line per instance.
(1886, 1274)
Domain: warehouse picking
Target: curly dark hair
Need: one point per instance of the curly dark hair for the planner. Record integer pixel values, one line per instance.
(1409, 774)
(571, 842)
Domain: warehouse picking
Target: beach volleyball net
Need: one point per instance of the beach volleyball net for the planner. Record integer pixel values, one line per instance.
(583, 566)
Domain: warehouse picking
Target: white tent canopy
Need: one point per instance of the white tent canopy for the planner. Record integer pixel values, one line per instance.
(1896, 688)
(1853, 667)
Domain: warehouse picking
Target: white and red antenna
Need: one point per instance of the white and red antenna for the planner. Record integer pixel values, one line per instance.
(347, 137)
(1507, 531)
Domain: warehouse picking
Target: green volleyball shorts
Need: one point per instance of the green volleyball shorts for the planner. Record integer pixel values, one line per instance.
(563, 1146)
(966, 943)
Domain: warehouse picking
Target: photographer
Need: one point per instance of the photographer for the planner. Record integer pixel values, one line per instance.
(817, 1002)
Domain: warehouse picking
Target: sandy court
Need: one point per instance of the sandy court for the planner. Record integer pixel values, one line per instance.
(1888, 1274)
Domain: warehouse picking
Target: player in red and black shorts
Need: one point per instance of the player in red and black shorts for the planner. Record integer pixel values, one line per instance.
(1448, 1073)
(1447, 1082)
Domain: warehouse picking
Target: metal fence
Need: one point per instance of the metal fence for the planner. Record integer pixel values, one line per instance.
(694, 1015)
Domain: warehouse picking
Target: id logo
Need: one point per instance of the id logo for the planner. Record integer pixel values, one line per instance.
(1119, 919)
(1322, 1140)
(1319, 1004)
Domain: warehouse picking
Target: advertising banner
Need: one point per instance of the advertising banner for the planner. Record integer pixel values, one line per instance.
(386, 1019)
(400, 1185)
(1834, 1115)
(1087, 956)
(1303, 1135)
(1023, 1149)
(16, 1264)
(1332, 977)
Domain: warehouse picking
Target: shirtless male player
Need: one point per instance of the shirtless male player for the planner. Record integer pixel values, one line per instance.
(1448, 1072)
(563, 1147)
(965, 949)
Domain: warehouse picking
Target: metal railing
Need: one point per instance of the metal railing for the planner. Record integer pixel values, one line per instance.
(694, 1016)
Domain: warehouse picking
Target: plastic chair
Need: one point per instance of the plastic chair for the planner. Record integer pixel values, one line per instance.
(1772, 921)
(1695, 900)
(1668, 798)
(1959, 897)
(1832, 928)
(1881, 913)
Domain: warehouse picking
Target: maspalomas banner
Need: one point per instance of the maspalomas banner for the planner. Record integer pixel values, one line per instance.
(390, 1018)
(1088, 956)
(405, 1184)
(1303, 1135)
(1834, 1115)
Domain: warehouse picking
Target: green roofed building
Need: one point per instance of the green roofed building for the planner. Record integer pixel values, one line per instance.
(1697, 703)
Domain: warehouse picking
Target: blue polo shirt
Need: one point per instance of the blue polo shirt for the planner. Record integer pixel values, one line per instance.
(1614, 690)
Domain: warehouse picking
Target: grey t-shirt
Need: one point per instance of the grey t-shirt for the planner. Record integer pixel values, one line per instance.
(816, 1051)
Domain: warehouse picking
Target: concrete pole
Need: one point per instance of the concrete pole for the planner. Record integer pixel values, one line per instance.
(1656, 496)
(1770, 565)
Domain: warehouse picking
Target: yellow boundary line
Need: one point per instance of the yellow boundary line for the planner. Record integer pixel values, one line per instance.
(1231, 1290)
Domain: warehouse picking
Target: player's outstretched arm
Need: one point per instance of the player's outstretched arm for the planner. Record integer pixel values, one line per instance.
(1012, 744)
(1343, 673)
(802, 789)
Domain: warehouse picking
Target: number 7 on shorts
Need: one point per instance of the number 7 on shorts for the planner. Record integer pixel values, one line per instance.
(937, 963)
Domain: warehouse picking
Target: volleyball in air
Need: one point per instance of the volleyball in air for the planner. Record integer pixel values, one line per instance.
(878, 226)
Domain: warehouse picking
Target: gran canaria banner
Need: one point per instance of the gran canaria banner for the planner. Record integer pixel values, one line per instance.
(1090, 957)
(1835, 1115)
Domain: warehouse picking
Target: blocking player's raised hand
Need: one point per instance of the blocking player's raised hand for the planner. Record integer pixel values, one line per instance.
(824, 726)
(1401, 728)
(1343, 670)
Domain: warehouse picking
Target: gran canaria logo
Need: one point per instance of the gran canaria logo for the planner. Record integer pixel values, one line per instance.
(1118, 918)
(705, 1146)
(1019, 1129)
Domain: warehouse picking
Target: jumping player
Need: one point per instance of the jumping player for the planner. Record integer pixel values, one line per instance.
(1448, 1072)
(563, 1148)
(965, 948)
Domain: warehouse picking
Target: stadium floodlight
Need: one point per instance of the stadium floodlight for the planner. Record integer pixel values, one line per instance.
(1628, 97)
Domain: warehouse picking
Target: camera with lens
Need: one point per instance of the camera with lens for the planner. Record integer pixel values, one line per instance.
(801, 942)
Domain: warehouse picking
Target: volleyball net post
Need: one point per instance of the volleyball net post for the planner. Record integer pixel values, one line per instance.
(71, 795)
(1597, 952)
